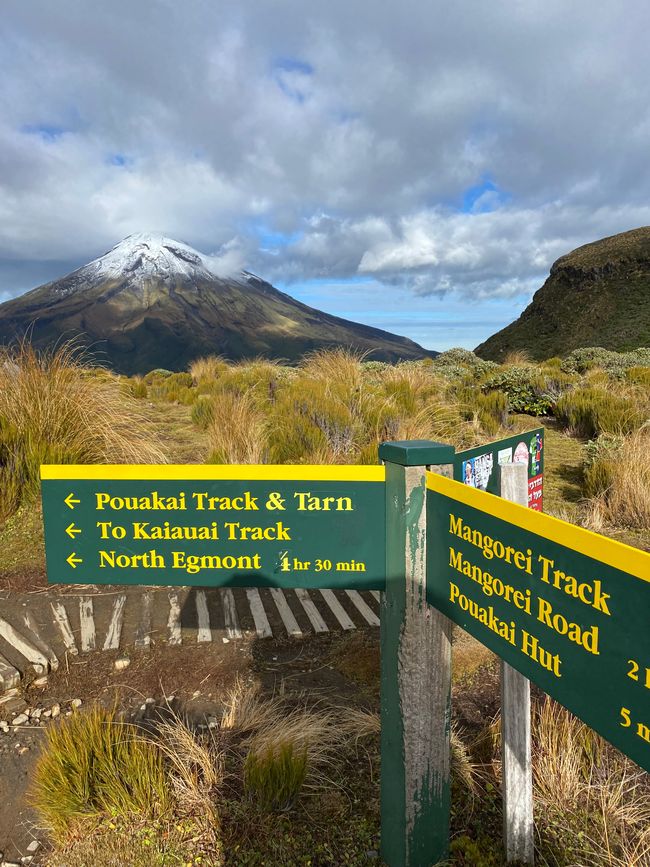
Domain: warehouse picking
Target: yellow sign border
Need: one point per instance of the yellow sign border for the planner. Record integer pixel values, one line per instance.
(609, 551)
(216, 472)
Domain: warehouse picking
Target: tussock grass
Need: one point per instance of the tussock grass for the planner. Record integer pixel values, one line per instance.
(93, 766)
(274, 777)
(207, 369)
(335, 367)
(316, 733)
(139, 387)
(245, 710)
(590, 800)
(360, 723)
(590, 411)
(196, 771)
(237, 431)
(55, 409)
(517, 358)
(619, 481)
(334, 408)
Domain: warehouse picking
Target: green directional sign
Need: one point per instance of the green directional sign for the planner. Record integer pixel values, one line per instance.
(478, 467)
(276, 526)
(568, 608)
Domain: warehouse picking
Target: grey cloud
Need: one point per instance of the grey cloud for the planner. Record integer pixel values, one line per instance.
(368, 156)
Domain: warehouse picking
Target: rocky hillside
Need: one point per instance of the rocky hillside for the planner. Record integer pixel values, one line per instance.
(597, 295)
(154, 302)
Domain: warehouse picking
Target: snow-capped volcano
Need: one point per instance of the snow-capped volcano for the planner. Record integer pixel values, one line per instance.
(143, 258)
(150, 257)
(155, 302)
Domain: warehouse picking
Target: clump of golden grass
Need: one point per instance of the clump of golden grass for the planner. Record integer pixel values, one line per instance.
(585, 788)
(196, 770)
(53, 410)
(332, 409)
(620, 484)
(312, 732)
(590, 411)
(359, 723)
(638, 375)
(437, 421)
(139, 387)
(237, 431)
(335, 367)
(517, 358)
(245, 710)
(93, 766)
(207, 369)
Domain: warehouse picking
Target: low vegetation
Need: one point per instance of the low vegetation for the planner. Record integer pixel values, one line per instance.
(270, 783)
(191, 797)
(55, 408)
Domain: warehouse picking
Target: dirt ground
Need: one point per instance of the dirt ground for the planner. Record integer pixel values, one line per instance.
(192, 681)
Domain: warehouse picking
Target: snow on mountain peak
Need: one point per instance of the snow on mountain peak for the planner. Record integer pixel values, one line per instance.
(149, 256)
(144, 258)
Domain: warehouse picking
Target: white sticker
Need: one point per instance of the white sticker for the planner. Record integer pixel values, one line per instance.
(505, 456)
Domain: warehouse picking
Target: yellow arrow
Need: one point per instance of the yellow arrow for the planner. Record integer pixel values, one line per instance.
(72, 531)
(69, 500)
(73, 560)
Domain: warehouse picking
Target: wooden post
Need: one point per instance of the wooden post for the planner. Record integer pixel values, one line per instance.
(516, 766)
(415, 670)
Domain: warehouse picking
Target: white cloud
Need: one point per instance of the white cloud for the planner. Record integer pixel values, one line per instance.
(358, 126)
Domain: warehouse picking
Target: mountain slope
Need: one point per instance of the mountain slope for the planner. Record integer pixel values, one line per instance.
(597, 295)
(154, 302)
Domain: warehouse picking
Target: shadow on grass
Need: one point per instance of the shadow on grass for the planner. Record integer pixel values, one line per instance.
(572, 481)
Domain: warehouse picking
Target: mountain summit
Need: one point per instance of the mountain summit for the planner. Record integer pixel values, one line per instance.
(597, 295)
(155, 302)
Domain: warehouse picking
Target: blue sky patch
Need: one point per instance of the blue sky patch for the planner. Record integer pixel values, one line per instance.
(287, 74)
(45, 131)
(293, 64)
(483, 198)
(269, 239)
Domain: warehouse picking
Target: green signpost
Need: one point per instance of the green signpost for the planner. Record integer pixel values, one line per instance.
(245, 526)
(478, 467)
(567, 608)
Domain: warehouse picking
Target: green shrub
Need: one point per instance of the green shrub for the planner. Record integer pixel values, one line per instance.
(158, 373)
(524, 387)
(275, 777)
(456, 362)
(614, 363)
(483, 852)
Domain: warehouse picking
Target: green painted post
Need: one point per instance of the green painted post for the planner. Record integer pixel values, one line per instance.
(415, 669)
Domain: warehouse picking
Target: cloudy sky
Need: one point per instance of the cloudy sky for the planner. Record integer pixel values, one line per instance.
(414, 165)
